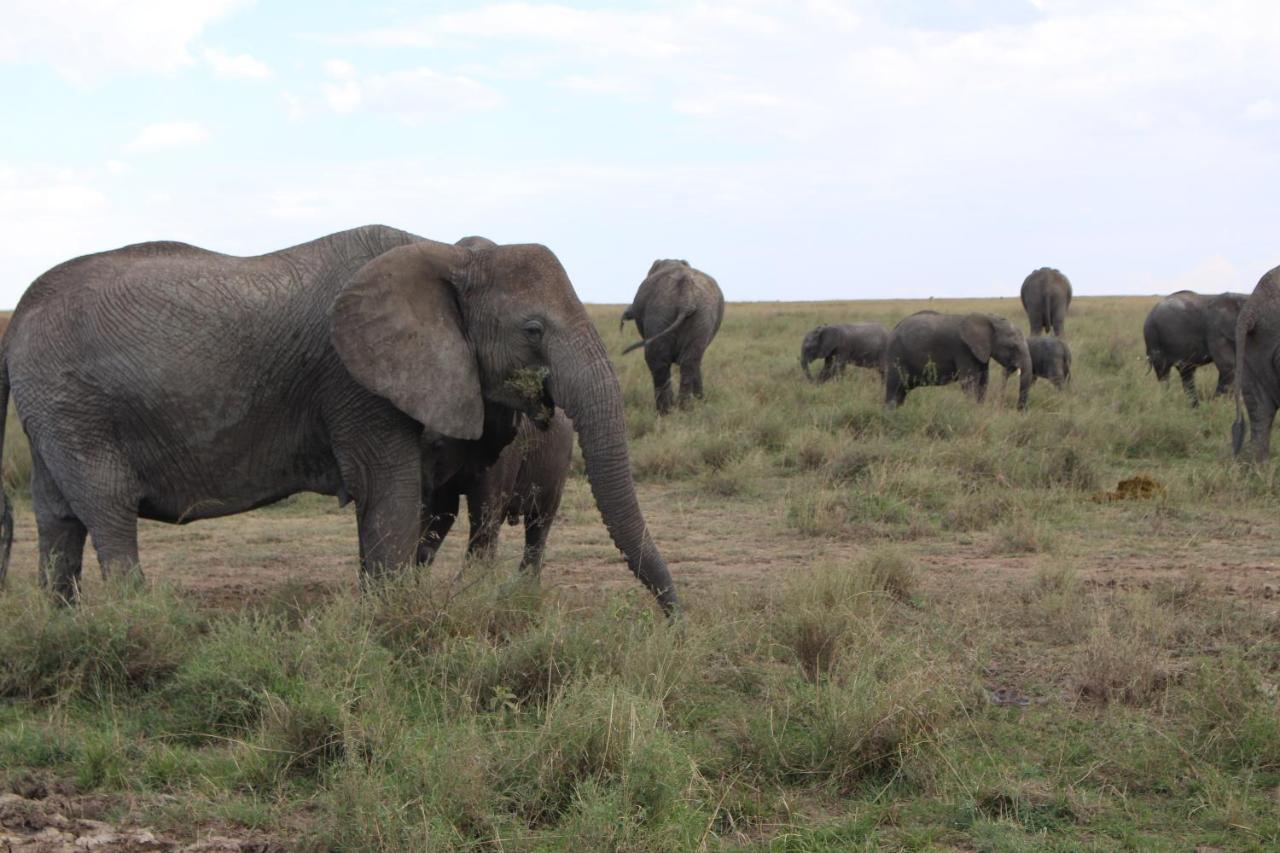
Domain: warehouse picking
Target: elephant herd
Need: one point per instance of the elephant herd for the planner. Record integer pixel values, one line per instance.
(929, 348)
(1238, 333)
(168, 382)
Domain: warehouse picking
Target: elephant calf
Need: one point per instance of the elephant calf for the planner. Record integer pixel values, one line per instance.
(525, 482)
(677, 310)
(1186, 330)
(929, 348)
(1050, 359)
(860, 344)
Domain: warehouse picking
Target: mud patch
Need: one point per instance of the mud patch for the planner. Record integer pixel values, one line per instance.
(1136, 488)
(58, 823)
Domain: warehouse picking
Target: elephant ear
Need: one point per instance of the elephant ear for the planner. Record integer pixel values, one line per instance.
(398, 330)
(977, 332)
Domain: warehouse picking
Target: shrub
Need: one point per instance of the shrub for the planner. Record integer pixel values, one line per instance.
(125, 640)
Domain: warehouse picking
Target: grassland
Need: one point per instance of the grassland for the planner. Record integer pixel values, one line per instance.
(919, 629)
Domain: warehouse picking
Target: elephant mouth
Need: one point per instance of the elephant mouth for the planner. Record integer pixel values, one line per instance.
(528, 388)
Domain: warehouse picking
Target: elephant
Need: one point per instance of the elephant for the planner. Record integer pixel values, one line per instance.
(1046, 296)
(677, 311)
(1186, 330)
(525, 482)
(1050, 359)
(929, 348)
(1257, 366)
(861, 344)
(169, 382)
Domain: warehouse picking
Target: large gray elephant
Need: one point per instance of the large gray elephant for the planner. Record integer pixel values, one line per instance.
(928, 348)
(1186, 330)
(677, 310)
(1257, 364)
(1046, 296)
(1050, 359)
(861, 344)
(173, 383)
(525, 482)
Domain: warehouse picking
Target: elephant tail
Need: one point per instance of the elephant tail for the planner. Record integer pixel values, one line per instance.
(6, 509)
(628, 314)
(685, 313)
(1243, 326)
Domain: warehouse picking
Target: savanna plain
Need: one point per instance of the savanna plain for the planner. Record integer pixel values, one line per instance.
(940, 627)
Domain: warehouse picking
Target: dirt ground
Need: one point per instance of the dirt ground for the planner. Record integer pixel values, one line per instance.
(52, 821)
(306, 547)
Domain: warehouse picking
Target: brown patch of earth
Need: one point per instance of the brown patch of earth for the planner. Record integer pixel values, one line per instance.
(305, 549)
(61, 822)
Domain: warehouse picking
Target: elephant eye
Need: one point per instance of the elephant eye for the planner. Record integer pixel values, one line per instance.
(533, 328)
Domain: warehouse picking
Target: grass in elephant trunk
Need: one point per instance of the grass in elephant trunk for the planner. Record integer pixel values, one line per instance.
(902, 629)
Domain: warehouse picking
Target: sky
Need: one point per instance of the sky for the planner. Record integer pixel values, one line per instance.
(793, 149)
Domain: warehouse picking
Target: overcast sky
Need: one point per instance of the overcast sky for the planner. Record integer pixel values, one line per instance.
(794, 149)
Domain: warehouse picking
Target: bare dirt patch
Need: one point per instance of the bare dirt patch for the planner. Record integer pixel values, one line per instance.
(61, 822)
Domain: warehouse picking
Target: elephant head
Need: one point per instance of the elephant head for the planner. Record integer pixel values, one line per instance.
(809, 350)
(990, 336)
(438, 330)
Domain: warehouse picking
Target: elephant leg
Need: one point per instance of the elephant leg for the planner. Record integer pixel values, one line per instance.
(437, 521)
(536, 528)
(1188, 374)
(690, 381)
(977, 383)
(115, 538)
(1262, 415)
(388, 519)
(827, 370)
(486, 517)
(60, 533)
(105, 500)
(1226, 377)
(895, 390)
(662, 395)
(1224, 358)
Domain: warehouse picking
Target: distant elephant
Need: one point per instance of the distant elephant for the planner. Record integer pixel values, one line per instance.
(1257, 365)
(525, 483)
(1186, 330)
(678, 311)
(861, 344)
(173, 383)
(1050, 359)
(929, 348)
(1046, 296)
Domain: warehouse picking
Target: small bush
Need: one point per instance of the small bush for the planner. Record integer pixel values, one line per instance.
(125, 640)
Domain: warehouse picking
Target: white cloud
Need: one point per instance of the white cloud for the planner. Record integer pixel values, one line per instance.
(411, 96)
(293, 108)
(238, 67)
(167, 135)
(1263, 109)
(339, 69)
(86, 40)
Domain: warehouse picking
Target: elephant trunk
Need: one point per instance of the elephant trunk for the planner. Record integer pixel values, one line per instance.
(808, 352)
(585, 386)
(1026, 377)
(1244, 323)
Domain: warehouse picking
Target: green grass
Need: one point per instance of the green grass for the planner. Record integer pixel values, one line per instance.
(947, 550)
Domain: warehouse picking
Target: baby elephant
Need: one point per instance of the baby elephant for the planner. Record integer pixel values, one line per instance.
(1050, 359)
(677, 310)
(929, 348)
(861, 344)
(526, 482)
